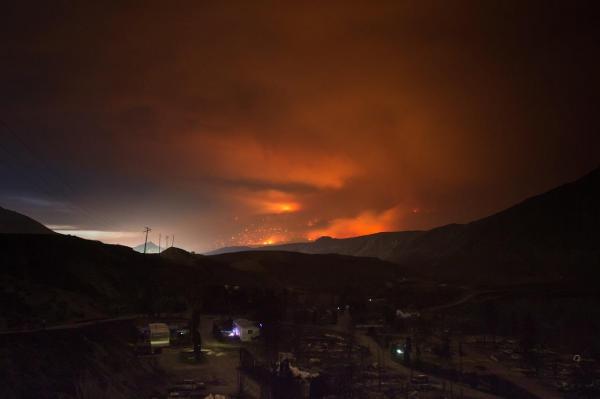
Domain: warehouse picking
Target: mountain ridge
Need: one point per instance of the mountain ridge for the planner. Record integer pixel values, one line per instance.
(552, 235)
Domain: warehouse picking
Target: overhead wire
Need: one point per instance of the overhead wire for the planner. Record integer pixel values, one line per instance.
(44, 168)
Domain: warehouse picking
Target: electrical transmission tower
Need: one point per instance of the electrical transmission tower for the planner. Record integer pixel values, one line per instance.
(146, 230)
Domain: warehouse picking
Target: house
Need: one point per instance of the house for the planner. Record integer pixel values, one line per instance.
(245, 329)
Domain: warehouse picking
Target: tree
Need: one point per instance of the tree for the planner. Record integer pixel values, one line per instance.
(529, 334)
(490, 315)
(529, 343)
(407, 350)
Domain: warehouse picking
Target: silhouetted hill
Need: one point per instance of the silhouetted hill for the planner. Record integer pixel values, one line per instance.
(550, 237)
(12, 222)
(314, 271)
(214, 271)
(227, 250)
(178, 255)
(66, 277)
(292, 269)
(58, 277)
(378, 245)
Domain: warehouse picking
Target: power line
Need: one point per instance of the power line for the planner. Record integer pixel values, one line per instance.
(40, 184)
(46, 169)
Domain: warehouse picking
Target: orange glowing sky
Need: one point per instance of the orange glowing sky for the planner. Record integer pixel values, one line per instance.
(245, 123)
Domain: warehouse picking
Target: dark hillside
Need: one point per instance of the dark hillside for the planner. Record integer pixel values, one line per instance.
(318, 272)
(550, 237)
(63, 277)
(14, 223)
(91, 362)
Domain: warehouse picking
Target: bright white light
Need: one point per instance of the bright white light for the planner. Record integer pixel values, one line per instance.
(99, 234)
(399, 351)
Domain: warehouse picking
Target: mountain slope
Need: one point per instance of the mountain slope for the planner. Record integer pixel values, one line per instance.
(329, 272)
(12, 222)
(57, 278)
(378, 245)
(228, 250)
(552, 236)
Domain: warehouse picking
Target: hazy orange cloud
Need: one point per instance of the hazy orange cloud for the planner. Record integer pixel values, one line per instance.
(367, 222)
(242, 157)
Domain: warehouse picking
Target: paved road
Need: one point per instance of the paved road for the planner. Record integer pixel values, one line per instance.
(461, 300)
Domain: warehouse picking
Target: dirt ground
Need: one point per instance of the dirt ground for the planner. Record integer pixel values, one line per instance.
(218, 369)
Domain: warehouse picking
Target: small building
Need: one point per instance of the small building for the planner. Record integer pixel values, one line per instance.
(160, 336)
(245, 329)
(406, 315)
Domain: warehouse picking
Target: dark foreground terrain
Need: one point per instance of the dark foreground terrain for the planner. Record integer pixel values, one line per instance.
(91, 362)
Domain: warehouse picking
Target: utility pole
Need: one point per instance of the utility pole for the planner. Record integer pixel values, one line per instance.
(146, 230)
(166, 242)
(379, 361)
(173, 241)
(460, 354)
(159, 238)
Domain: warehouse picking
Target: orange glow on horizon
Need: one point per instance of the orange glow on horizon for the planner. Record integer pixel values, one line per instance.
(272, 240)
(368, 222)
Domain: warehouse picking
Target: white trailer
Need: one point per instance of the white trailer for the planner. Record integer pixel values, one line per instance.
(160, 336)
(245, 329)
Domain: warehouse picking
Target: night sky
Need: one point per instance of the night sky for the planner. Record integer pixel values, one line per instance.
(230, 123)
